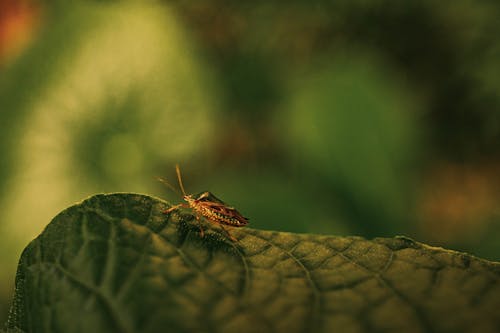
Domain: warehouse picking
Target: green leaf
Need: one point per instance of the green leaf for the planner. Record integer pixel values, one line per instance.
(116, 263)
(11, 330)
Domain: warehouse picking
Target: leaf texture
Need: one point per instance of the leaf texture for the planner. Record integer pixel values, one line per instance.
(116, 263)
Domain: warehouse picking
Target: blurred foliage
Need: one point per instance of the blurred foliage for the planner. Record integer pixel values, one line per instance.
(103, 111)
(352, 125)
(371, 117)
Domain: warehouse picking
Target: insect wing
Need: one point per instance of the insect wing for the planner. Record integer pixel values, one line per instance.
(230, 212)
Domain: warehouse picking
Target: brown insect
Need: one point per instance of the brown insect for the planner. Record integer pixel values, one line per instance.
(207, 205)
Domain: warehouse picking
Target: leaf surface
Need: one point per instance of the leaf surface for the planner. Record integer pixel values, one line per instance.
(116, 263)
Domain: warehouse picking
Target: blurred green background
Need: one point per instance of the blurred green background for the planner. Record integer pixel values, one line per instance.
(369, 118)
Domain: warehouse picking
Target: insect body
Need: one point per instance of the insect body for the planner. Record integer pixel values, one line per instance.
(208, 206)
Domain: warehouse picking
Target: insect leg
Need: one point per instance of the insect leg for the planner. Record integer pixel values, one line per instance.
(202, 233)
(166, 211)
(228, 234)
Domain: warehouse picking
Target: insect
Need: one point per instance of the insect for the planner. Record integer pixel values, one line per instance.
(208, 206)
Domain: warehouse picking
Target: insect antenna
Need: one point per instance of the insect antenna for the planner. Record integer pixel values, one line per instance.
(179, 178)
(168, 185)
